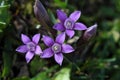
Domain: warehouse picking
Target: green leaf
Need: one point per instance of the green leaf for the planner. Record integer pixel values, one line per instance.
(3, 23)
(34, 63)
(44, 74)
(117, 4)
(21, 78)
(5, 6)
(7, 57)
(63, 74)
(41, 76)
(52, 17)
(61, 4)
(4, 15)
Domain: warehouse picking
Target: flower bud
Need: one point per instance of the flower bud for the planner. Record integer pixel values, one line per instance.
(42, 16)
(90, 32)
(41, 13)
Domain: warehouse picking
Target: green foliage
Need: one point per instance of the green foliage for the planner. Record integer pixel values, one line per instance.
(45, 74)
(41, 76)
(22, 78)
(61, 4)
(102, 60)
(63, 74)
(4, 15)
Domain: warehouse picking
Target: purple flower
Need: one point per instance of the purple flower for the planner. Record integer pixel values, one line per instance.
(69, 24)
(30, 47)
(56, 48)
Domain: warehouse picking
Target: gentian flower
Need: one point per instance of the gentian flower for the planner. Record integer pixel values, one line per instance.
(56, 48)
(69, 24)
(30, 47)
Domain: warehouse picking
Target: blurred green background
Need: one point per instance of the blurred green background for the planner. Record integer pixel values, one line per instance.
(103, 54)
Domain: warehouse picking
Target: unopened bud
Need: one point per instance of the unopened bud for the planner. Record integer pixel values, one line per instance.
(90, 32)
(41, 13)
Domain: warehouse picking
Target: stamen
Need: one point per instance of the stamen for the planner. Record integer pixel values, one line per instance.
(56, 48)
(31, 46)
(69, 24)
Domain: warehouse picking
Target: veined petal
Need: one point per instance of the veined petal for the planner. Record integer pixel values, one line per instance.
(60, 38)
(59, 26)
(70, 33)
(36, 38)
(47, 53)
(59, 58)
(48, 40)
(67, 48)
(29, 56)
(38, 50)
(25, 39)
(80, 26)
(75, 15)
(22, 49)
(61, 15)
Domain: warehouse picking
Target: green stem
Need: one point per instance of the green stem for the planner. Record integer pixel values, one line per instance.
(77, 67)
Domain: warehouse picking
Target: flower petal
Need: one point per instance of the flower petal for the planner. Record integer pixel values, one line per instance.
(60, 38)
(70, 33)
(22, 49)
(59, 58)
(29, 56)
(61, 15)
(36, 38)
(25, 39)
(75, 15)
(38, 50)
(59, 26)
(47, 53)
(48, 40)
(67, 48)
(80, 26)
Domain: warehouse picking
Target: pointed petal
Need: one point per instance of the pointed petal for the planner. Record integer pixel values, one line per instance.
(47, 53)
(29, 56)
(38, 50)
(60, 38)
(48, 40)
(67, 48)
(59, 58)
(25, 39)
(75, 15)
(22, 49)
(80, 26)
(36, 38)
(59, 26)
(70, 33)
(61, 15)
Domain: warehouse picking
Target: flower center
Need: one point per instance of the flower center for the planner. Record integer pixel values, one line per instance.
(31, 46)
(69, 24)
(56, 47)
